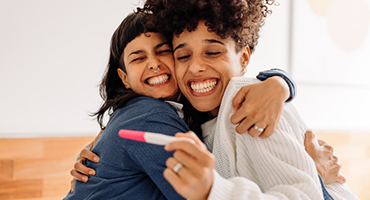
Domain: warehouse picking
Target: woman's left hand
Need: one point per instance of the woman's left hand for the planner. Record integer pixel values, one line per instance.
(259, 106)
(322, 153)
(194, 179)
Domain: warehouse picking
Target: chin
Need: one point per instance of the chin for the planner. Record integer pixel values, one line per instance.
(203, 108)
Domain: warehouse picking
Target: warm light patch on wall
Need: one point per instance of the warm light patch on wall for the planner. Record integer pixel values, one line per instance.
(331, 42)
(347, 22)
(320, 7)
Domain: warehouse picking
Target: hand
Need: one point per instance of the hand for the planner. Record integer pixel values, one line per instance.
(80, 171)
(327, 164)
(260, 104)
(195, 178)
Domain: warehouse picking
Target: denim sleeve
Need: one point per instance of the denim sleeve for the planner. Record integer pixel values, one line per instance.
(152, 158)
(324, 191)
(263, 75)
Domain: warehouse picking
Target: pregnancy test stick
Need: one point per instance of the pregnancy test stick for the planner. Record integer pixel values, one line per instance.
(148, 137)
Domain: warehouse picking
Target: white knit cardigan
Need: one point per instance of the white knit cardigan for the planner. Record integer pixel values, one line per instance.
(276, 167)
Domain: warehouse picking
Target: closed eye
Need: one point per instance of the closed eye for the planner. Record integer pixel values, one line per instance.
(164, 51)
(137, 59)
(213, 53)
(183, 58)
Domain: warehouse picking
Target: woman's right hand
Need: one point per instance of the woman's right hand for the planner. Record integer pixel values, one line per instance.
(80, 171)
(194, 179)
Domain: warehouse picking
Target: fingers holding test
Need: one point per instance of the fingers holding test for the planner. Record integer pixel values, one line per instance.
(184, 158)
(171, 176)
(194, 178)
(170, 164)
(191, 147)
(191, 135)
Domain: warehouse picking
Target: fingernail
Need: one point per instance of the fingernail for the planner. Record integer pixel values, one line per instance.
(166, 147)
(96, 159)
(91, 172)
(84, 179)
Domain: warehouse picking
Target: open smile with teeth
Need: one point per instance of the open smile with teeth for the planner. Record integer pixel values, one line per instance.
(203, 86)
(158, 79)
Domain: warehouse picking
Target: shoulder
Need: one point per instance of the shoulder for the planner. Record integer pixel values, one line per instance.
(238, 82)
(233, 87)
(147, 114)
(144, 107)
(149, 104)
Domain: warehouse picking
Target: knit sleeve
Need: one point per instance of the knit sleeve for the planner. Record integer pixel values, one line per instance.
(340, 191)
(268, 172)
(276, 167)
(263, 75)
(235, 188)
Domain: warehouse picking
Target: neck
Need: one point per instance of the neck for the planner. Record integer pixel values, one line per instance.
(213, 113)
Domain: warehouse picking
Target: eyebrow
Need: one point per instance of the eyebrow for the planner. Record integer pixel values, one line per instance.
(161, 44)
(141, 51)
(135, 52)
(209, 41)
(179, 46)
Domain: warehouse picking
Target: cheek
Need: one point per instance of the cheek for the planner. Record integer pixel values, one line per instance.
(135, 76)
(228, 74)
(179, 71)
(180, 79)
(169, 62)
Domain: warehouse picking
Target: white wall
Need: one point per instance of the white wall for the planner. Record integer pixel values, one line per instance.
(324, 107)
(53, 55)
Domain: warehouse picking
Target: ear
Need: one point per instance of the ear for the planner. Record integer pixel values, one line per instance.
(123, 77)
(244, 58)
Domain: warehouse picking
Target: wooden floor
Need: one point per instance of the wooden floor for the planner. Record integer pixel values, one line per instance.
(38, 169)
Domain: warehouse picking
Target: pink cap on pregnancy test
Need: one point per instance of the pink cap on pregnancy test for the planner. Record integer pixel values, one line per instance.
(148, 137)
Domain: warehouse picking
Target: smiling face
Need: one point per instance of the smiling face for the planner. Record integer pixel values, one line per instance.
(205, 63)
(150, 67)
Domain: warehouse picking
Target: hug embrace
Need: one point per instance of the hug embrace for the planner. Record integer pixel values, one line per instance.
(177, 67)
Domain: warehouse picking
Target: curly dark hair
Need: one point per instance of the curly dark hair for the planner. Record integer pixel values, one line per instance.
(238, 19)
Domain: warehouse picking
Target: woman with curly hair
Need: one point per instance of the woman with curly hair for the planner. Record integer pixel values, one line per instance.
(212, 42)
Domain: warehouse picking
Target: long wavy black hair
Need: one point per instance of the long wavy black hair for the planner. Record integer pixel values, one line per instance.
(114, 94)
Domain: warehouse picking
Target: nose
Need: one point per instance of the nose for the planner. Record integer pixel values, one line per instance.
(153, 63)
(197, 65)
